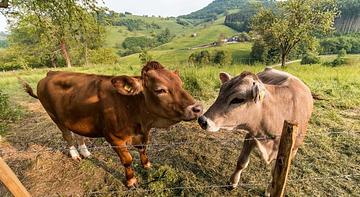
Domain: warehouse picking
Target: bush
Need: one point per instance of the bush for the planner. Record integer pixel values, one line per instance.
(222, 58)
(103, 56)
(340, 59)
(205, 57)
(145, 57)
(202, 57)
(7, 112)
(164, 36)
(342, 53)
(244, 37)
(310, 58)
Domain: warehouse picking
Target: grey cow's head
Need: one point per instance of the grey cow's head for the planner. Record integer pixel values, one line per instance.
(238, 103)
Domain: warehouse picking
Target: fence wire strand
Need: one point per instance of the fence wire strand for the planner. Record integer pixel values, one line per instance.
(157, 146)
(339, 177)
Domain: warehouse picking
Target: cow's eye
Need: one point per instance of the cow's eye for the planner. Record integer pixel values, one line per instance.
(237, 101)
(160, 91)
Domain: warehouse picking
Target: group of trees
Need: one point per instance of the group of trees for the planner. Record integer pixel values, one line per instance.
(217, 7)
(333, 45)
(348, 21)
(135, 24)
(241, 20)
(204, 57)
(137, 44)
(53, 32)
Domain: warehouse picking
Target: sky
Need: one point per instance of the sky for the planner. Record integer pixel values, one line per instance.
(147, 7)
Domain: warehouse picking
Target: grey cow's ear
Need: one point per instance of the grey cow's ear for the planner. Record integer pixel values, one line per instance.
(258, 92)
(126, 85)
(224, 77)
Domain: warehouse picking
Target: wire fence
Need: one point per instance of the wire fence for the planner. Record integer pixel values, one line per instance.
(337, 177)
(155, 146)
(161, 146)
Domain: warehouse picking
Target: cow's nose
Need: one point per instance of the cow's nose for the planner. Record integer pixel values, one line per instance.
(203, 122)
(197, 109)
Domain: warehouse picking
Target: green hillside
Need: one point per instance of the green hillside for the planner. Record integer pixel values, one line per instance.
(205, 35)
(115, 35)
(178, 50)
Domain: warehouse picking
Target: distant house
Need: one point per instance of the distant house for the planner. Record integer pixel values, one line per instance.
(233, 39)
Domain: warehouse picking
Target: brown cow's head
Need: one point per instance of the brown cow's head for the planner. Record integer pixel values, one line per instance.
(163, 92)
(238, 103)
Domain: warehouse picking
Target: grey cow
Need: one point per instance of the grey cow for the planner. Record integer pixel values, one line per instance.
(259, 104)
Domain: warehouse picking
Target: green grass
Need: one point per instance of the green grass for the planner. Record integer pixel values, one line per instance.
(209, 159)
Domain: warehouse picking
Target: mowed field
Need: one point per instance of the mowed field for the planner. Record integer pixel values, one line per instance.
(186, 160)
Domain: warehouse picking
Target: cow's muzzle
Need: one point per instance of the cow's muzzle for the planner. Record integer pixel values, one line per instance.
(202, 120)
(207, 124)
(194, 111)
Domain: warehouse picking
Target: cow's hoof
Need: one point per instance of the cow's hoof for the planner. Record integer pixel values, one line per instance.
(74, 154)
(231, 186)
(76, 158)
(132, 183)
(84, 151)
(147, 166)
(267, 193)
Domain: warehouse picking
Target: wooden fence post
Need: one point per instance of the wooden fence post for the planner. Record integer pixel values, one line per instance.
(283, 160)
(11, 181)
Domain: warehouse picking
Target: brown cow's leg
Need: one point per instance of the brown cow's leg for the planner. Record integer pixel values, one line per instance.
(121, 149)
(69, 138)
(140, 144)
(243, 160)
(82, 147)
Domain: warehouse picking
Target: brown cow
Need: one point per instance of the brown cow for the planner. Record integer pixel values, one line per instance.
(259, 104)
(122, 109)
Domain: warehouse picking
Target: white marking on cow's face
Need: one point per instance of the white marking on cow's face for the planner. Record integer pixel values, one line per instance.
(211, 126)
(84, 151)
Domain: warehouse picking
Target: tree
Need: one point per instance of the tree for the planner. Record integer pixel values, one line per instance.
(294, 21)
(222, 57)
(164, 36)
(59, 22)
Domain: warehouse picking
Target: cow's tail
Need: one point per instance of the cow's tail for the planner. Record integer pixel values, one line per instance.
(317, 97)
(27, 88)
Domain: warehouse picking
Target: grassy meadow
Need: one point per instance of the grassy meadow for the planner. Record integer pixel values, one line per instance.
(193, 163)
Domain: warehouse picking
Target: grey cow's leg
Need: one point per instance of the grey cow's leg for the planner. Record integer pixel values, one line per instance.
(243, 160)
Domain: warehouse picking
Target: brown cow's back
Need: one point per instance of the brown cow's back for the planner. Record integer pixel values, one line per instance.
(71, 100)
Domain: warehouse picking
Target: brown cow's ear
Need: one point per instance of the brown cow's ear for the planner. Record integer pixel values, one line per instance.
(127, 85)
(224, 77)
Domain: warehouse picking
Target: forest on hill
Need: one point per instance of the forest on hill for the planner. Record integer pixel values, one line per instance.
(347, 22)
